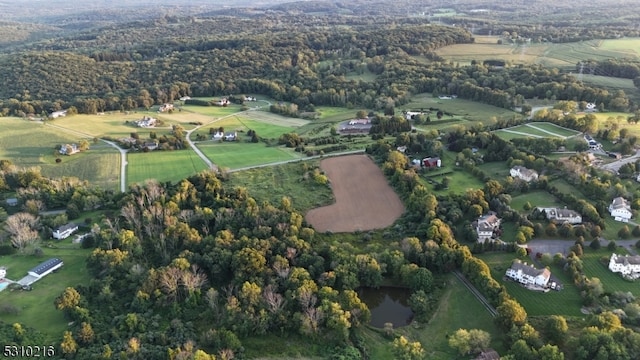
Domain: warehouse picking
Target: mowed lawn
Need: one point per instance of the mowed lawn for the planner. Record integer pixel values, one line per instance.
(465, 109)
(214, 111)
(565, 302)
(554, 129)
(114, 124)
(163, 165)
(244, 122)
(37, 308)
(536, 198)
(235, 155)
(100, 165)
(611, 281)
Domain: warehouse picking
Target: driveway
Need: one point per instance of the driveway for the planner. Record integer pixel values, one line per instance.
(563, 246)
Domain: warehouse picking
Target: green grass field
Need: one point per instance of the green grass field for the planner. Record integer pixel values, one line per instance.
(163, 165)
(273, 182)
(535, 198)
(113, 124)
(244, 122)
(611, 281)
(235, 155)
(37, 308)
(458, 309)
(214, 111)
(32, 144)
(609, 82)
(566, 302)
(558, 131)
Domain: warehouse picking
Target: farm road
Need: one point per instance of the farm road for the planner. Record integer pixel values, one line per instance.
(123, 153)
(352, 152)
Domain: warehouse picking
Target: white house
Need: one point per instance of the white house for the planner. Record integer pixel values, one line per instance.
(146, 122)
(218, 135)
(45, 268)
(523, 173)
(3, 272)
(620, 209)
(57, 114)
(67, 149)
(562, 216)
(628, 266)
(222, 102)
(527, 274)
(185, 98)
(486, 226)
(231, 136)
(64, 231)
(165, 107)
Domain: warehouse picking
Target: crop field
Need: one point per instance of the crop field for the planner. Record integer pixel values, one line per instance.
(516, 54)
(452, 314)
(565, 302)
(610, 82)
(163, 165)
(364, 199)
(293, 180)
(36, 307)
(611, 281)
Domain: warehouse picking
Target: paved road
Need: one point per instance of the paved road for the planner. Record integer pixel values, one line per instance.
(616, 165)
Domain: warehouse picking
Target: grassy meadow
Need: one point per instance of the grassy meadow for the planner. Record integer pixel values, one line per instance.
(273, 182)
(163, 165)
(611, 281)
(37, 308)
(235, 155)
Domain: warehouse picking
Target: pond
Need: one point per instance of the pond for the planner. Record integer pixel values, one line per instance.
(387, 304)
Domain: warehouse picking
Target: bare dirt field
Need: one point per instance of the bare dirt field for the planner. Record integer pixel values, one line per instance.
(364, 199)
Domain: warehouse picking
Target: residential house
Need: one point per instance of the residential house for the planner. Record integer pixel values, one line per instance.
(249, 98)
(222, 102)
(527, 274)
(218, 135)
(45, 268)
(185, 98)
(146, 122)
(12, 202)
(432, 162)
(521, 172)
(64, 231)
(3, 272)
(628, 266)
(67, 149)
(359, 122)
(165, 107)
(231, 136)
(150, 145)
(562, 216)
(590, 107)
(57, 114)
(620, 209)
(410, 115)
(487, 226)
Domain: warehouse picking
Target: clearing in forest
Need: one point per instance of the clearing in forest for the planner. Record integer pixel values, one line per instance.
(364, 199)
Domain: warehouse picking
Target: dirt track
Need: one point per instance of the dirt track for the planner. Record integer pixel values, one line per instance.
(364, 199)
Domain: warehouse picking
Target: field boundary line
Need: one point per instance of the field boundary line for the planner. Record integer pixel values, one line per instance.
(545, 131)
(521, 133)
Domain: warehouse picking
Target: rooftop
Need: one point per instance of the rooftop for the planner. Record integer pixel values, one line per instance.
(45, 266)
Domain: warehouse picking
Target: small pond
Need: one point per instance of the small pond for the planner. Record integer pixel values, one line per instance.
(387, 304)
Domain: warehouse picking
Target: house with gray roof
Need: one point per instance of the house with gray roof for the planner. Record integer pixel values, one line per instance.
(627, 265)
(620, 209)
(487, 226)
(528, 274)
(561, 216)
(521, 172)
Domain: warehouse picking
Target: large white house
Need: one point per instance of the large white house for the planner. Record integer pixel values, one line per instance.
(64, 231)
(628, 266)
(486, 226)
(562, 216)
(527, 274)
(521, 172)
(620, 209)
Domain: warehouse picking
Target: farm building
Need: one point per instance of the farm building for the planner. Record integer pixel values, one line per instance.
(527, 274)
(64, 231)
(359, 122)
(487, 226)
(45, 268)
(562, 216)
(620, 209)
(57, 114)
(628, 266)
(521, 172)
(431, 162)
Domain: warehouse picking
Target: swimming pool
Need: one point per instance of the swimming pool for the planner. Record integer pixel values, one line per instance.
(3, 285)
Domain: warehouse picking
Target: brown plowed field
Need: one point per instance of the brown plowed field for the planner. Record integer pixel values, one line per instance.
(364, 199)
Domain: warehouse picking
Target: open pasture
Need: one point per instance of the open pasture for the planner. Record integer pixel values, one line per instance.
(242, 123)
(30, 143)
(364, 199)
(536, 130)
(162, 165)
(566, 302)
(610, 82)
(113, 124)
(236, 155)
(464, 109)
(212, 111)
(271, 183)
(36, 307)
